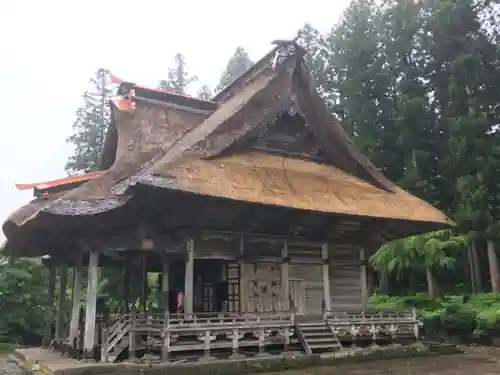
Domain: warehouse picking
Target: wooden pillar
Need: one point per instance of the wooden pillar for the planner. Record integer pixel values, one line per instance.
(75, 311)
(189, 279)
(362, 277)
(285, 292)
(326, 277)
(126, 284)
(61, 300)
(90, 311)
(47, 337)
(242, 286)
(144, 282)
(165, 285)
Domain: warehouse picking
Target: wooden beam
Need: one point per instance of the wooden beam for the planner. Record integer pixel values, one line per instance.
(242, 296)
(165, 287)
(326, 278)
(144, 283)
(47, 337)
(61, 301)
(75, 310)
(364, 291)
(285, 290)
(189, 279)
(90, 312)
(126, 284)
(256, 237)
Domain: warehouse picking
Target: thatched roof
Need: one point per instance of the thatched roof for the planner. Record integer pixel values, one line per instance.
(180, 143)
(277, 180)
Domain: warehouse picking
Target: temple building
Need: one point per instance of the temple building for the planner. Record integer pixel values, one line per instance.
(255, 208)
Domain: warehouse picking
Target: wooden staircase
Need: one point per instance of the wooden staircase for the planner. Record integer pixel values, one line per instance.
(116, 340)
(317, 337)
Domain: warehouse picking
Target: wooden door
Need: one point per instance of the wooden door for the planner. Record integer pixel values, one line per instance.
(298, 293)
(208, 296)
(263, 287)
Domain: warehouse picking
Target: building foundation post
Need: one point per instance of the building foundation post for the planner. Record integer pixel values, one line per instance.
(75, 311)
(90, 311)
(47, 337)
(326, 279)
(61, 299)
(189, 279)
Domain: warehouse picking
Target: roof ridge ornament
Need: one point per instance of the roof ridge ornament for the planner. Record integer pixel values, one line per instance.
(286, 49)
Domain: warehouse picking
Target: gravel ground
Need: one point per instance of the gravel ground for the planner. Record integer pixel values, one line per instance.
(480, 361)
(8, 367)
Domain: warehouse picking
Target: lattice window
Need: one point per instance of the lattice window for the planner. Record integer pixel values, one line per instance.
(233, 281)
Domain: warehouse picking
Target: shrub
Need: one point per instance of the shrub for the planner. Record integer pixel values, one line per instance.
(478, 316)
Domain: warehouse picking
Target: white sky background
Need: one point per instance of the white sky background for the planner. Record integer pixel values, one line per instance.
(49, 49)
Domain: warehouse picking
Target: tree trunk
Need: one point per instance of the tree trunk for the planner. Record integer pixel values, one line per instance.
(430, 283)
(476, 267)
(369, 280)
(472, 267)
(413, 283)
(384, 282)
(493, 263)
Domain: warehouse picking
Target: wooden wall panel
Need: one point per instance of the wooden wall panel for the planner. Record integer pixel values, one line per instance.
(311, 278)
(345, 279)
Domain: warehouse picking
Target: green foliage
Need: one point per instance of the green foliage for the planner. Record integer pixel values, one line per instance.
(91, 124)
(236, 66)
(477, 317)
(178, 79)
(205, 93)
(23, 298)
(418, 255)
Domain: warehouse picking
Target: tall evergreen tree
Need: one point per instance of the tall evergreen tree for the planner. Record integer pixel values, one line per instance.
(312, 41)
(205, 93)
(467, 59)
(236, 66)
(356, 80)
(178, 79)
(92, 121)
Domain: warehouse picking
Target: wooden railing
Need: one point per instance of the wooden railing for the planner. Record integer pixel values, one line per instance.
(264, 328)
(203, 327)
(209, 331)
(394, 324)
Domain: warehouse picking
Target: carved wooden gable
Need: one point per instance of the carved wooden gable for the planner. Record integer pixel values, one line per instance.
(287, 135)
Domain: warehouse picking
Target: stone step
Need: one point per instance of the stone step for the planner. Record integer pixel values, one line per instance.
(312, 324)
(313, 334)
(330, 345)
(314, 328)
(321, 339)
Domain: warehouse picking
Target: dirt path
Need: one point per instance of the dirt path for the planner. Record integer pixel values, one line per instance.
(7, 367)
(480, 361)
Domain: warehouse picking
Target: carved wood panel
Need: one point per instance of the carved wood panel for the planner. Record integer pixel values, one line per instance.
(263, 287)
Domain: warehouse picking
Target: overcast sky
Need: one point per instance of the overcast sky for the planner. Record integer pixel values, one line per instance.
(50, 48)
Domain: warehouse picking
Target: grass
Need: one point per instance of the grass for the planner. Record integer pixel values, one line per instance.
(6, 347)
